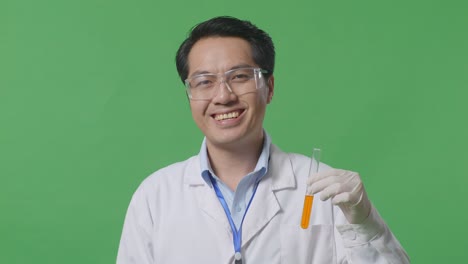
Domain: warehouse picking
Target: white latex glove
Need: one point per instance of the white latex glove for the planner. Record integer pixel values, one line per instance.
(345, 189)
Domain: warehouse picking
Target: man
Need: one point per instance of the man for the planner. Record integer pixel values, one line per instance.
(240, 199)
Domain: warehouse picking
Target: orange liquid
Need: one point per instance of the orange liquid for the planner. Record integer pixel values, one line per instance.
(306, 211)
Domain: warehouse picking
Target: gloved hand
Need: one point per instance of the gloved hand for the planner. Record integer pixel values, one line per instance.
(346, 190)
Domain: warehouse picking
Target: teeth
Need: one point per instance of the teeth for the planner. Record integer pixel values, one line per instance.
(227, 116)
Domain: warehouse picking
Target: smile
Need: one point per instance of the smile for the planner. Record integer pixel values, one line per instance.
(231, 115)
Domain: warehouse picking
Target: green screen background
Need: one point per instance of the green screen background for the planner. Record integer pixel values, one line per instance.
(90, 104)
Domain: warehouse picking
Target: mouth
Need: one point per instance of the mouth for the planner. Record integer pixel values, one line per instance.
(227, 116)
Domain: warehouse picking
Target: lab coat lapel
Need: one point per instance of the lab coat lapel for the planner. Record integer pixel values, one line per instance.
(209, 203)
(205, 195)
(265, 204)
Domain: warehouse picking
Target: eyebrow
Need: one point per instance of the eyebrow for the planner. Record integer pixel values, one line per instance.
(244, 65)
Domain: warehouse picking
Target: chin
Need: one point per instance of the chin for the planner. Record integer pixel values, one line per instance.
(232, 138)
(226, 140)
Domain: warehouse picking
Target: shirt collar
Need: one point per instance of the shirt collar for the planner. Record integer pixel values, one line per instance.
(260, 169)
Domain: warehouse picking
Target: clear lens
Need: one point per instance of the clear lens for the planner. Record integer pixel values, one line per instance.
(239, 81)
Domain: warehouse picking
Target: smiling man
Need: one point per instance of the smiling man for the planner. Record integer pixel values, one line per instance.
(229, 107)
(240, 199)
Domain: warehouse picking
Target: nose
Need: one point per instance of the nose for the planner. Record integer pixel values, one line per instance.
(224, 94)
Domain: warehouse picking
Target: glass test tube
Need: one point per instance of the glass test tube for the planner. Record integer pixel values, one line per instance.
(309, 198)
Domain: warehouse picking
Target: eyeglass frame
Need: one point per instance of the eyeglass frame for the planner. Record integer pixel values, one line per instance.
(256, 70)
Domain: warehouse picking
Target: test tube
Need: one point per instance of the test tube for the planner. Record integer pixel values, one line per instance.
(309, 198)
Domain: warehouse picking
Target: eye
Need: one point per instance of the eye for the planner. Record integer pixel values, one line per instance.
(240, 77)
(202, 82)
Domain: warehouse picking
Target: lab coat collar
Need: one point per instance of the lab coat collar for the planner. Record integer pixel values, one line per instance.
(259, 171)
(280, 171)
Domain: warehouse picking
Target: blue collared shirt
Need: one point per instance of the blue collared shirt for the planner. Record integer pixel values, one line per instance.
(237, 201)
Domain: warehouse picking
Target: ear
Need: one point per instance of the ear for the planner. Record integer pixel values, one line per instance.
(271, 88)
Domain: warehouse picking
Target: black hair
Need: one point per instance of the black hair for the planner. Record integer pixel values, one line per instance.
(263, 50)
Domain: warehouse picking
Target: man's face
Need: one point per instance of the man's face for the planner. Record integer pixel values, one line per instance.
(246, 112)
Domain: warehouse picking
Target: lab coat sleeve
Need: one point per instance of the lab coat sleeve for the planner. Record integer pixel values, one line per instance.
(135, 243)
(371, 242)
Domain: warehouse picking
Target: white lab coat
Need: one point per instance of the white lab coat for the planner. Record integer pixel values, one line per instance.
(175, 217)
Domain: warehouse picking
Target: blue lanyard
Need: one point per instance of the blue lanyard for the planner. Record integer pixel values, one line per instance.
(236, 234)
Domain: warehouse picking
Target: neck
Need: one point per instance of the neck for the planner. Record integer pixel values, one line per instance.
(232, 164)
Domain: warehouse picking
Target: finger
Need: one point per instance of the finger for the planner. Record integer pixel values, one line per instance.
(341, 198)
(358, 187)
(314, 177)
(356, 195)
(320, 185)
(358, 201)
(330, 191)
(353, 198)
(352, 177)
